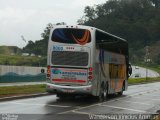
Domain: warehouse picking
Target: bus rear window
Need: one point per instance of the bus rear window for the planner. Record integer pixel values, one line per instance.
(70, 58)
(71, 36)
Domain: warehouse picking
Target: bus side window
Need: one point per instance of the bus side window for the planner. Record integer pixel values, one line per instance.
(115, 71)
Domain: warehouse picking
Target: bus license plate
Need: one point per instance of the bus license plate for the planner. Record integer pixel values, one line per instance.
(68, 90)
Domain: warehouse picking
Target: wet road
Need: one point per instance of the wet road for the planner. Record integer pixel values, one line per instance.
(139, 99)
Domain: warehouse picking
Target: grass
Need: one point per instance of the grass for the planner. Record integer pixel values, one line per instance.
(26, 89)
(20, 60)
(142, 80)
(31, 89)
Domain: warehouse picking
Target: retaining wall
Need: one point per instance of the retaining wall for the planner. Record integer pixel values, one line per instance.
(21, 74)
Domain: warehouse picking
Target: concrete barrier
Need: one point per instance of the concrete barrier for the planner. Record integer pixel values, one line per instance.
(10, 74)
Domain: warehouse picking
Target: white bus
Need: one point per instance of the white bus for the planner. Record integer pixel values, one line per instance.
(86, 60)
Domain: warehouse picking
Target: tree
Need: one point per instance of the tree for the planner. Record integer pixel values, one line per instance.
(90, 13)
(29, 47)
(156, 3)
(134, 20)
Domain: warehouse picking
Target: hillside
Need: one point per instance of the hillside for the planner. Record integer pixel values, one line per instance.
(12, 55)
(10, 50)
(137, 21)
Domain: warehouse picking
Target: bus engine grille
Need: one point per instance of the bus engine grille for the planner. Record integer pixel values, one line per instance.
(70, 58)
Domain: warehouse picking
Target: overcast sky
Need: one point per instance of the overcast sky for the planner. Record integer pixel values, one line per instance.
(30, 17)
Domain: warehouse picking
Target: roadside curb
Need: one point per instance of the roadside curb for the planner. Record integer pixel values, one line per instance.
(24, 96)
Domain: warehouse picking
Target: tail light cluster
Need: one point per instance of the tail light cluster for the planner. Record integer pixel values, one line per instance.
(48, 71)
(90, 73)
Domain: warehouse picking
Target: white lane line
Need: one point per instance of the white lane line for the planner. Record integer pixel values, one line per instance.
(122, 108)
(19, 103)
(106, 102)
(136, 102)
(73, 110)
(128, 96)
(85, 113)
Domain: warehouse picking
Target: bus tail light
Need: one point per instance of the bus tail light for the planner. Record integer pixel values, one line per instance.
(90, 69)
(90, 77)
(48, 71)
(90, 73)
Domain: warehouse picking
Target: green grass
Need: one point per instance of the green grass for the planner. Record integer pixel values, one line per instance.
(31, 89)
(26, 89)
(142, 80)
(20, 60)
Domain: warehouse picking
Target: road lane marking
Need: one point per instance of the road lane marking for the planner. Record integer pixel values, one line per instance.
(136, 102)
(79, 108)
(85, 113)
(128, 96)
(19, 103)
(122, 108)
(112, 100)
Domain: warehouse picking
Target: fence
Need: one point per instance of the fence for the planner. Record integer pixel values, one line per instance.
(10, 74)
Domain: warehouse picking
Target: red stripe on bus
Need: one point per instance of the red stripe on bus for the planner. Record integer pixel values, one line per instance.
(61, 80)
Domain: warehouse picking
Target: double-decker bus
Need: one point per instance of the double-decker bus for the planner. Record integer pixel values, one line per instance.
(86, 60)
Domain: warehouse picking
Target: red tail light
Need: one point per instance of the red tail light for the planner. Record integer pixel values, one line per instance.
(48, 67)
(90, 69)
(48, 71)
(90, 73)
(90, 77)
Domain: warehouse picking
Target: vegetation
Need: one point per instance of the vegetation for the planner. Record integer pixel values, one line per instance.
(10, 50)
(132, 81)
(39, 47)
(30, 89)
(138, 21)
(22, 60)
(26, 89)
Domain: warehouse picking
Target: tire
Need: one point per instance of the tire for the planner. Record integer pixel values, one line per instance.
(101, 96)
(106, 92)
(61, 95)
(121, 92)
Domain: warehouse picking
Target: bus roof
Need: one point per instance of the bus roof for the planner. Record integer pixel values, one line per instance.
(111, 42)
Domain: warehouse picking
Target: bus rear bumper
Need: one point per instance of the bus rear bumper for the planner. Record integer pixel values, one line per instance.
(52, 88)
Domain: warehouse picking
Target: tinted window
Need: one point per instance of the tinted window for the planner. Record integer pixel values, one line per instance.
(71, 35)
(70, 58)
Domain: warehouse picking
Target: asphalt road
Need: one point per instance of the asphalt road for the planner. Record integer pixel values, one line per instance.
(139, 100)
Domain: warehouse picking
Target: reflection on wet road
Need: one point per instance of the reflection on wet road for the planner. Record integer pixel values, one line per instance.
(139, 99)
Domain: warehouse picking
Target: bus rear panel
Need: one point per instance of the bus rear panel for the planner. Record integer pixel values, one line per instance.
(69, 62)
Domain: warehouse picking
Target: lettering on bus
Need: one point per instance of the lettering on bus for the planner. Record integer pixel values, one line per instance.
(57, 48)
(57, 71)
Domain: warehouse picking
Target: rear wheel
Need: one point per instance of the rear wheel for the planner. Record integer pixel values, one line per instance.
(106, 91)
(123, 88)
(61, 95)
(102, 93)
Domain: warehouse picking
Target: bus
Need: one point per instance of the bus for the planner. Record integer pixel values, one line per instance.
(84, 60)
